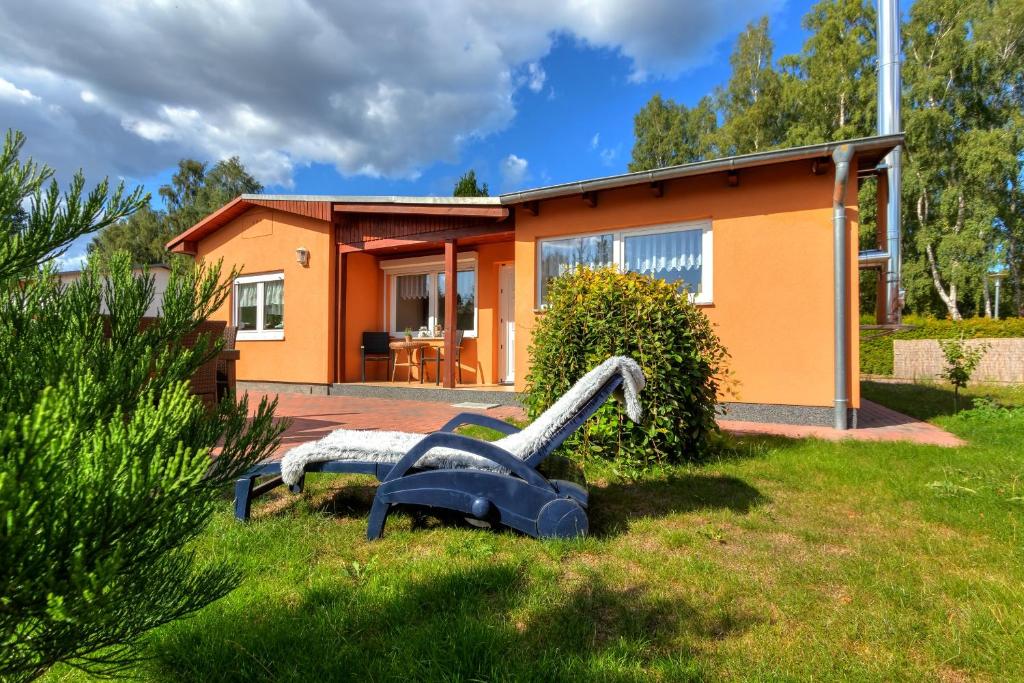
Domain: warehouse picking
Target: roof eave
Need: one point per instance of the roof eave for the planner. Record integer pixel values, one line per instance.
(874, 143)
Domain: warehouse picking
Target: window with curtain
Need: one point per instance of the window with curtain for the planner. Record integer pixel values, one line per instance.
(679, 254)
(417, 300)
(246, 318)
(562, 255)
(259, 306)
(412, 302)
(675, 257)
(465, 286)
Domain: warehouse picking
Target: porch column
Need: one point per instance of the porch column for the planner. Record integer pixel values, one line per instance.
(341, 297)
(451, 273)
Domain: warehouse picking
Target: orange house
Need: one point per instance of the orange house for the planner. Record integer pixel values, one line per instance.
(768, 244)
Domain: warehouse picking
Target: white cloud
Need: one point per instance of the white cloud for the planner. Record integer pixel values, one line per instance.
(536, 76)
(608, 156)
(595, 141)
(370, 88)
(514, 171)
(12, 93)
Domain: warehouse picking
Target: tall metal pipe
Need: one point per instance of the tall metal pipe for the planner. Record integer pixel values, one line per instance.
(890, 89)
(841, 287)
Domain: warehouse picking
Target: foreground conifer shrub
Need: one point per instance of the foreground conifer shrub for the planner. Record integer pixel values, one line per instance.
(106, 458)
(594, 314)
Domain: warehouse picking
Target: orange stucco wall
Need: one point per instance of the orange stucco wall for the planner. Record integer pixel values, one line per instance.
(264, 240)
(772, 271)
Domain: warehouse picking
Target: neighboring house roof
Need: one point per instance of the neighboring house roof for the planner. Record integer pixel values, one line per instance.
(321, 207)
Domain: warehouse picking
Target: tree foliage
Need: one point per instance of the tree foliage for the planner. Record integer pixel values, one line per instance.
(194, 192)
(595, 314)
(963, 113)
(467, 186)
(106, 472)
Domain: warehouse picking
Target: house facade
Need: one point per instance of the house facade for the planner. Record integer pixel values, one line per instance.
(751, 237)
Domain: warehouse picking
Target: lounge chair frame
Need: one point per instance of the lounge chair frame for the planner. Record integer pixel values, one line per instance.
(520, 498)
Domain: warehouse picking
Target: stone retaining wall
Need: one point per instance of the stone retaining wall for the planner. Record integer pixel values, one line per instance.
(916, 359)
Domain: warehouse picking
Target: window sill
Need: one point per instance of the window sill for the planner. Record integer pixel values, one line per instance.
(266, 335)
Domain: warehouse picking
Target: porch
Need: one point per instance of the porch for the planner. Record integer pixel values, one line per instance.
(397, 268)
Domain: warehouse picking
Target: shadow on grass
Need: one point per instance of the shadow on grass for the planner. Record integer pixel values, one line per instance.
(614, 506)
(467, 623)
(611, 509)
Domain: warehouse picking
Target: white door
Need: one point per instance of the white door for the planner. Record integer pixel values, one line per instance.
(506, 323)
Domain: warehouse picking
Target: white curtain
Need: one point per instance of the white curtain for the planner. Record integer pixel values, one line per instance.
(246, 295)
(273, 293)
(412, 287)
(664, 253)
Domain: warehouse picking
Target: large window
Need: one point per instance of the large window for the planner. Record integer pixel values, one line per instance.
(417, 295)
(679, 253)
(259, 306)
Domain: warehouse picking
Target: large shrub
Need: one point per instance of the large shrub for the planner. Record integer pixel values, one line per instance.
(876, 344)
(594, 314)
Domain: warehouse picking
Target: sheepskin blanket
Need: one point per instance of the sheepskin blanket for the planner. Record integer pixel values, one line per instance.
(389, 447)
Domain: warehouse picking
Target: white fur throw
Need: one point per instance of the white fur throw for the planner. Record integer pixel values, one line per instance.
(389, 447)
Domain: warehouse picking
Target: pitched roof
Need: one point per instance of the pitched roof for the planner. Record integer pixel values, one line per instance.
(875, 147)
(871, 149)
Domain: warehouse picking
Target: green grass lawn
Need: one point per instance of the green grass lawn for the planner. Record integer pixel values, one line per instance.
(780, 560)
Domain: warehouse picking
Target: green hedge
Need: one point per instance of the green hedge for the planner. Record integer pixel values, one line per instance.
(876, 345)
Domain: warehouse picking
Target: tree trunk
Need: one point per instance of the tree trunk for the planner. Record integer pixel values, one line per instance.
(947, 298)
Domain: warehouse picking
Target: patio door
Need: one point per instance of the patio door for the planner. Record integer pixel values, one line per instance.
(506, 323)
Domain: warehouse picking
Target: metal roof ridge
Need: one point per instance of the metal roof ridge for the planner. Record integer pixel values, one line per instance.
(374, 199)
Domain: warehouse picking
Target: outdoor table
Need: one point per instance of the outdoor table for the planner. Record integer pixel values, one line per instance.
(411, 348)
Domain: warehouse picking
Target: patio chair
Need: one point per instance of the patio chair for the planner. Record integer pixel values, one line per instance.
(375, 347)
(438, 358)
(495, 482)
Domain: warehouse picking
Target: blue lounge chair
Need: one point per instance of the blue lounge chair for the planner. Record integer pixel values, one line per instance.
(477, 478)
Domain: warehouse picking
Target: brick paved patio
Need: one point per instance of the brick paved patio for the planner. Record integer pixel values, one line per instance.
(315, 416)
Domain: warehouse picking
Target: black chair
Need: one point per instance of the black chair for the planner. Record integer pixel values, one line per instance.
(438, 358)
(376, 347)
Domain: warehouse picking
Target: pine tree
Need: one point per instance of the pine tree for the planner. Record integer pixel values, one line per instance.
(106, 472)
(467, 186)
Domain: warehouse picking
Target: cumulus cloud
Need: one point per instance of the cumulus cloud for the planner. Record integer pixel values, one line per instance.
(381, 89)
(514, 172)
(535, 76)
(12, 93)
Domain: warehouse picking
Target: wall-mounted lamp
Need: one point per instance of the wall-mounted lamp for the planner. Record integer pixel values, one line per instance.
(302, 256)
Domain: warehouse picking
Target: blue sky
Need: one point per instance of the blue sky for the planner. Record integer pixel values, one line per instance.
(348, 97)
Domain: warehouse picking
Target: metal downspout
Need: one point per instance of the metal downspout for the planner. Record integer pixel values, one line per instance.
(840, 256)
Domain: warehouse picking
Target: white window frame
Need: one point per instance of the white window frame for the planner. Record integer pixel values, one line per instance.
(259, 334)
(705, 298)
(432, 267)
